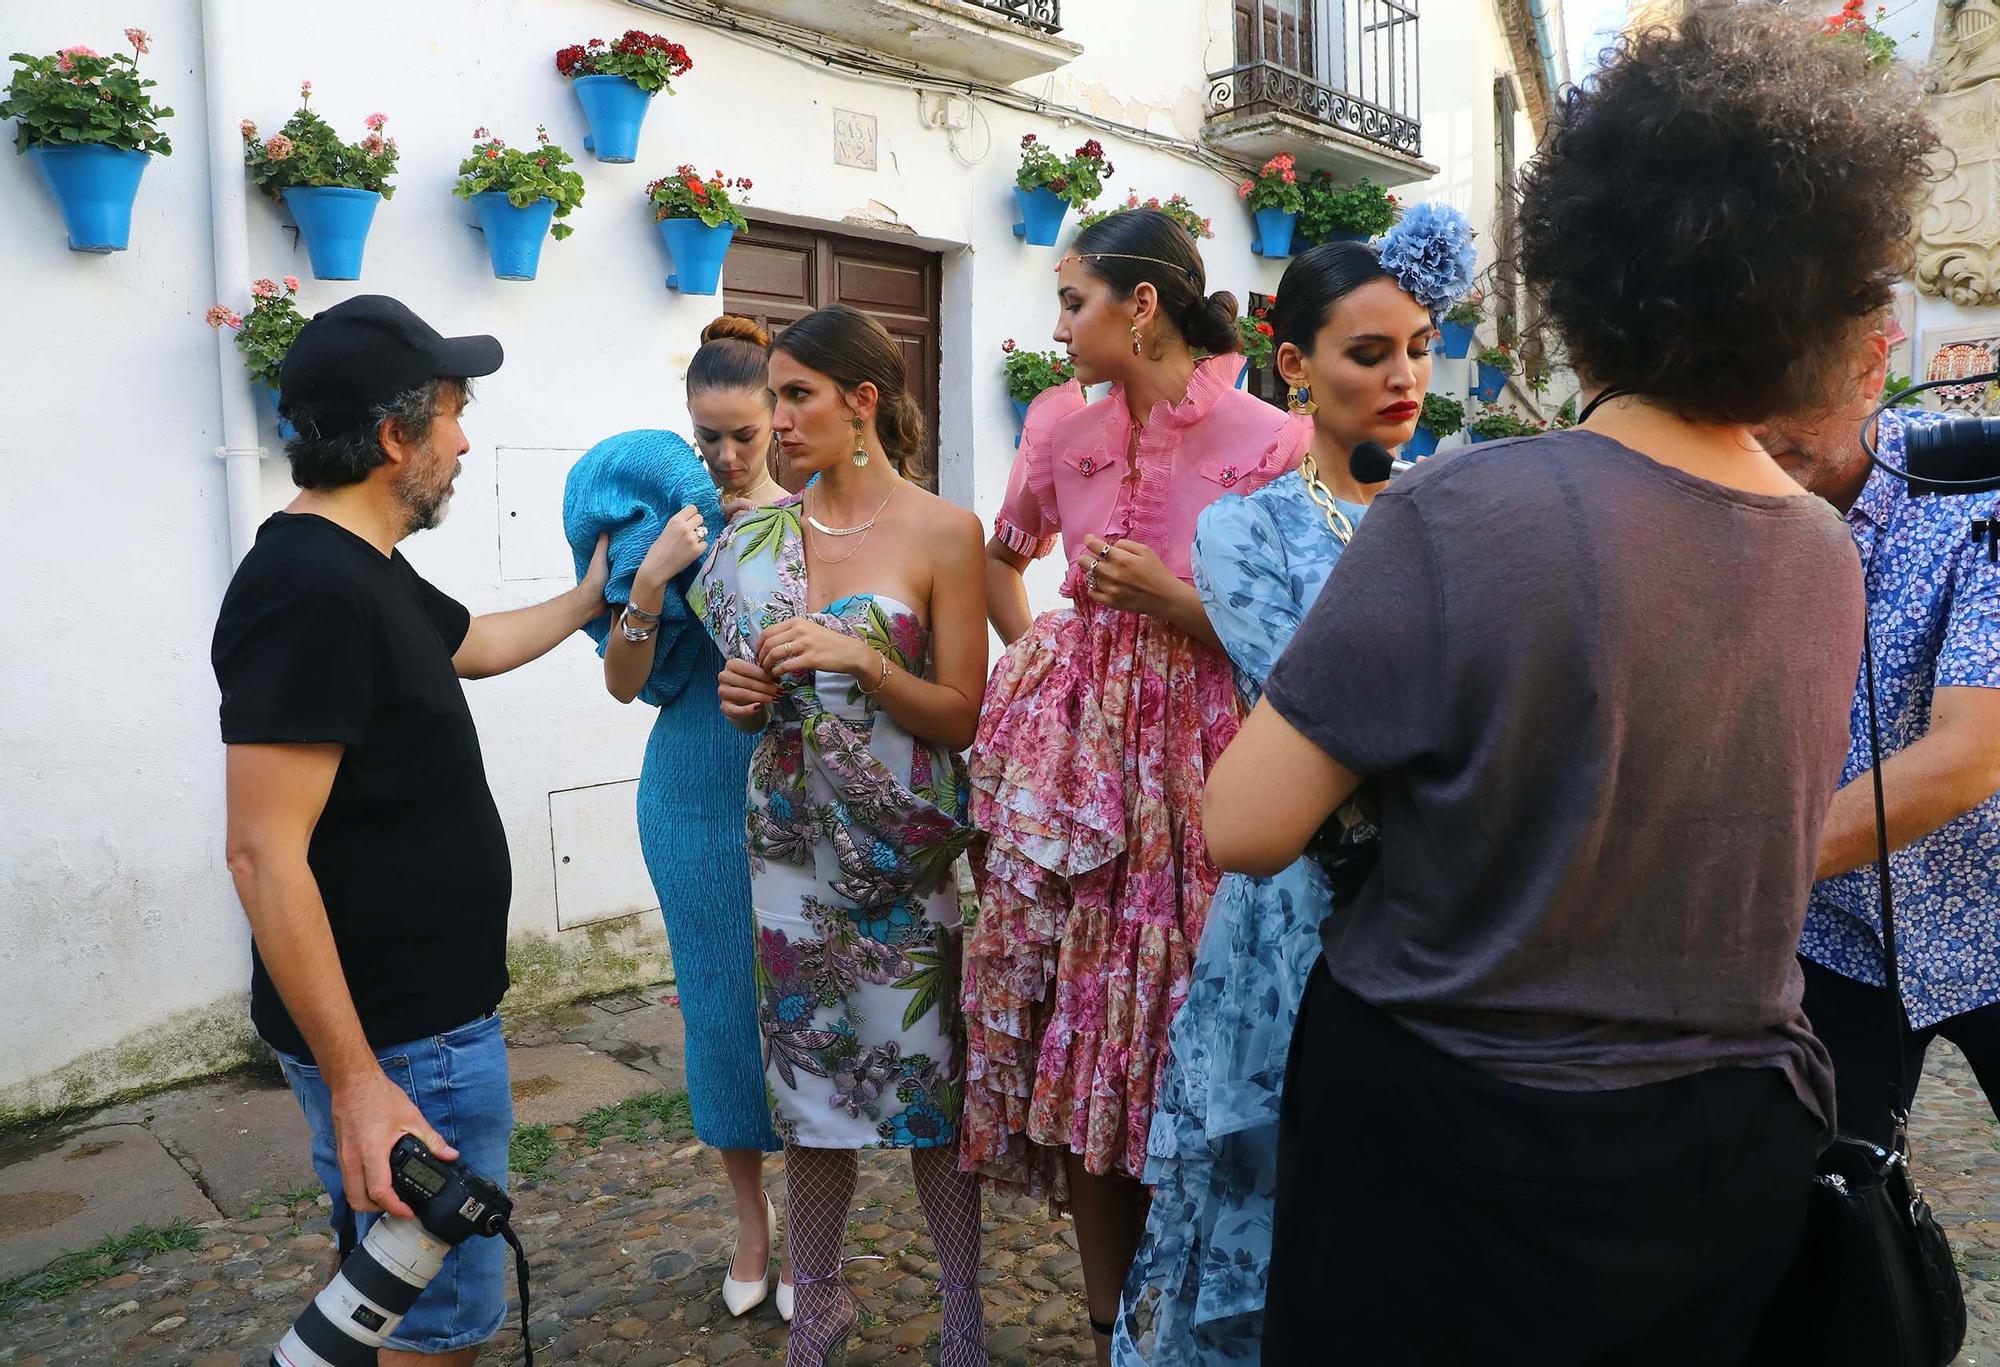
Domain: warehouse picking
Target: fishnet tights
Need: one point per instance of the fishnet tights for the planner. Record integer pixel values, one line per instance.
(821, 1187)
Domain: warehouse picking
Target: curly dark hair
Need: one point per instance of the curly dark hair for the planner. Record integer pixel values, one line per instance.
(1716, 212)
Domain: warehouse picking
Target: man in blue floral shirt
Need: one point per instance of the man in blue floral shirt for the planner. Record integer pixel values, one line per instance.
(1934, 609)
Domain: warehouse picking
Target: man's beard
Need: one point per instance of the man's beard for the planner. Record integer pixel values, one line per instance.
(424, 504)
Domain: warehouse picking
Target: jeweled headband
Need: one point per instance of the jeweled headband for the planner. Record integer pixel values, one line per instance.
(1127, 256)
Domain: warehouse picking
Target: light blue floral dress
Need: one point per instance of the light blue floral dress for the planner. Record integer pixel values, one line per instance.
(853, 826)
(1196, 1290)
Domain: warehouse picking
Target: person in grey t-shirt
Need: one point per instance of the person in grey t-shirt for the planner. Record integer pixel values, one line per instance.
(1597, 682)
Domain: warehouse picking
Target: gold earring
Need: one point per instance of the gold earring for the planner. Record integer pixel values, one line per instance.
(1138, 348)
(860, 456)
(1300, 403)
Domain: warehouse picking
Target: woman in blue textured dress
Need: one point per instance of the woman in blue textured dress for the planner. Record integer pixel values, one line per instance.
(659, 500)
(1354, 324)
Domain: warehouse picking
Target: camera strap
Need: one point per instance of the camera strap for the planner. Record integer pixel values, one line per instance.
(520, 1280)
(1892, 977)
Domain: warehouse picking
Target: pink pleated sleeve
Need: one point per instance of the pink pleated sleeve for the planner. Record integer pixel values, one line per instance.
(1028, 521)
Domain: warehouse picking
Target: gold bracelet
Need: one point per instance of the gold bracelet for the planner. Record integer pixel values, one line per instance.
(880, 683)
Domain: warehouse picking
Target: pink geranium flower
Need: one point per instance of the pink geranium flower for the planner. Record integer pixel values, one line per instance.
(375, 121)
(218, 315)
(277, 147)
(141, 41)
(265, 289)
(249, 128)
(63, 56)
(291, 284)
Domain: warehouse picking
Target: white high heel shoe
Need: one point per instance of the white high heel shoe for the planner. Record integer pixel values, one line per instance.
(784, 1297)
(743, 1297)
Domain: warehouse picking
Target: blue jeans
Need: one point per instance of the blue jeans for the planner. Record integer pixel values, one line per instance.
(459, 1081)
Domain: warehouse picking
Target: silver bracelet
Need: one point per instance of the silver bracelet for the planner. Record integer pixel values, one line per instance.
(651, 619)
(637, 634)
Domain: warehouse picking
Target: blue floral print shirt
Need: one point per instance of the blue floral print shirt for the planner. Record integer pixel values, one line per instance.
(1934, 609)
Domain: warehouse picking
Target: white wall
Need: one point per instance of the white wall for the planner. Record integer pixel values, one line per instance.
(123, 954)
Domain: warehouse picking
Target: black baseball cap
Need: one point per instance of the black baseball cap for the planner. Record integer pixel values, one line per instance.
(365, 352)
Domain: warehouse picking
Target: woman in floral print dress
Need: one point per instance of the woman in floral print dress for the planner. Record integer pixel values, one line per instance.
(1099, 727)
(852, 620)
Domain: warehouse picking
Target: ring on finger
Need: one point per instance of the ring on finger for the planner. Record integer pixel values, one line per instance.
(1103, 554)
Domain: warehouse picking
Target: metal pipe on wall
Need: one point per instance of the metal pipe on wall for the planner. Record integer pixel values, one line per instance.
(229, 230)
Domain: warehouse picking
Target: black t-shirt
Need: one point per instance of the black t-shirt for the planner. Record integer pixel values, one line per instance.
(322, 638)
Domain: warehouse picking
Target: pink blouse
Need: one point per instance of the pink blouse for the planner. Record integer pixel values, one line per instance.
(1070, 475)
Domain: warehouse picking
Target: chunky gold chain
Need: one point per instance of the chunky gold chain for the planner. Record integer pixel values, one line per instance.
(1337, 521)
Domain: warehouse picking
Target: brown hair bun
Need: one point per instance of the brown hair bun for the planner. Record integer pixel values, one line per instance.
(736, 326)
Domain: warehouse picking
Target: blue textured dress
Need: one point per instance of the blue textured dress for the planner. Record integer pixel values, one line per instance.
(1195, 1294)
(691, 786)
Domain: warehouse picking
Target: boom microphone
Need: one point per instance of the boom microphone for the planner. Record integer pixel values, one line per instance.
(1371, 463)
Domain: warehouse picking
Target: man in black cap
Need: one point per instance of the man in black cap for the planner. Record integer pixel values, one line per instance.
(363, 838)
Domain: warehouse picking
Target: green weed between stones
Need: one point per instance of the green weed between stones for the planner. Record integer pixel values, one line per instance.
(73, 1271)
(533, 1146)
(530, 1149)
(627, 1119)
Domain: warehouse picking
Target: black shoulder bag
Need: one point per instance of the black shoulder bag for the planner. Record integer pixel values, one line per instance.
(1874, 1284)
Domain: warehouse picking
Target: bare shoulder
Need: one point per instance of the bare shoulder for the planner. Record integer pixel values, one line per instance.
(945, 521)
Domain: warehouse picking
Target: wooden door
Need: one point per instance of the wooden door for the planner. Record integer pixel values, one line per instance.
(778, 275)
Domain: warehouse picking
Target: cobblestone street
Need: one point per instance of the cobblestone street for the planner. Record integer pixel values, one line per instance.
(627, 1221)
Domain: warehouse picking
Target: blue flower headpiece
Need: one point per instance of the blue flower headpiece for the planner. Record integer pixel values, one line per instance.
(1431, 253)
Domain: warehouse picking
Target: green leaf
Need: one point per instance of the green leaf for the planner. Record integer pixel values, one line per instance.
(926, 983)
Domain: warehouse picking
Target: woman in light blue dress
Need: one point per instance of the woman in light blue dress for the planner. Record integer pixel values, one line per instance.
(1354, 335)
(660, 500)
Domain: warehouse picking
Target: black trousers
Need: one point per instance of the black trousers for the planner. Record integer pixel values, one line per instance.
(1429, 1214)
(1855, 1021)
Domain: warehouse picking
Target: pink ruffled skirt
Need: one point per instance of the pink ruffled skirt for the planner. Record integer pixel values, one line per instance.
(1094, 745)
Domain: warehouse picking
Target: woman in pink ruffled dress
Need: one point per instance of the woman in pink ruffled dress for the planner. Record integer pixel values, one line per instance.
(1098, 731)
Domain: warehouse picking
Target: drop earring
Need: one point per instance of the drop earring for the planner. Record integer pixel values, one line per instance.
(860, 456)
(1138, 348)
(1301, 404)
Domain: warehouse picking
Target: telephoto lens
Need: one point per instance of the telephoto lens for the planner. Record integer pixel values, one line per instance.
(381, 1279)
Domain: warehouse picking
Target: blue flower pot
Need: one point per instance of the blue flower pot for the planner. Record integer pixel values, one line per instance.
(334, 221)
(1020, 409)
(1492, 379)
(285, 430)
(1042, 211)
(1343, 235)
(697, 250)
(615, 108)
(1455, 339)
(1274, 232)
(1423, 442)
(1243, 376)
(1473, 438)
(95, 185)
(514, 237)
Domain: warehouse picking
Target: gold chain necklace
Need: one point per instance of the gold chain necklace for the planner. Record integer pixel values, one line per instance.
(861, 531)
(1337, 522)
(758, 494)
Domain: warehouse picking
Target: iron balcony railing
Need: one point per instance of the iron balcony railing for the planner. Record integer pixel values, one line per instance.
(1045, 15)
(1349, 64)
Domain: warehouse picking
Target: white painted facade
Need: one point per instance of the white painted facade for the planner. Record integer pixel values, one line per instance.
(123, 953)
